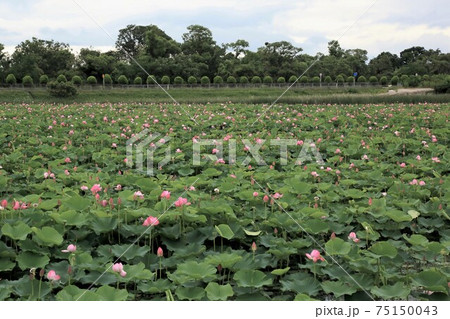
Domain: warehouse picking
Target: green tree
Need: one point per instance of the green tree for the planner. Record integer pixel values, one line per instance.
(277, 57)
(61, 89)
(204, 80)
(281, 79)
(192, 80)
(91, 80)
(76, 80)
(107, 79)
(335, 50)
(373, 79)
(43, 79)
(328, 79)
(151, 79)
(231, 80)
(362, 79)
(339, 79)
(11, 79)
(256, 79)
(218, 79)
(137, 80)
(394, 80)
(93, 62)
(27, 81)
(383, 80)
(304, 79)
(61, 78)
(178, 80)
(165, 79)
(292, 79)
(268, 79)
(37, 57)
(123, 80)
(243, 79)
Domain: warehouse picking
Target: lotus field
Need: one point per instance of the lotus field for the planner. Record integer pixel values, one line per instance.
(224, 202)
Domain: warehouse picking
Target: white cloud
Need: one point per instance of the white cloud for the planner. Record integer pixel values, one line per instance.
(376, 30)
(387, 26)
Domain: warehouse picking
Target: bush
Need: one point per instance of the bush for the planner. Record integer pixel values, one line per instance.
(76, 80)
(394, 80)
(303, 79)
(350, 79)
(373, 79)
(340, 79)
(178, 80)
(316, 79)
(27, 81)
(383, 80)
(91, 80)
(107, 79)
(328, 79)
(122, 80)
(362, 79)
(268, 79)
(281, 79)
(413, 81)
(217, 79)
(426, 77)
(61, 89)
(192, 80)
(292, 79)
(256, 79)
(151, 79)
(165, 79)
(61, 78)
(231, 80)
(404, 80)
(11, 79)
(137, 81)
(43, 80)
(243, 80)
(204, 80)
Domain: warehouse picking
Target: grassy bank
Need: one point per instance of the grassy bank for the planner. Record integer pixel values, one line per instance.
(236, 95)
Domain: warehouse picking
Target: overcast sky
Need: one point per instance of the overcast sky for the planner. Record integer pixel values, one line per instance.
(389, 25)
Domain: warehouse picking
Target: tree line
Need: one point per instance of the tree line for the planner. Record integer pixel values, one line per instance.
(199, 59)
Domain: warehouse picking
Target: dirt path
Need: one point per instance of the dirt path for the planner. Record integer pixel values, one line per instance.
(409, 91)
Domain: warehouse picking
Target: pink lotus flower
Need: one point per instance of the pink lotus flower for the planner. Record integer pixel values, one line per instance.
(338, 172)
(118, 267)
(114, 145)
(300, 143)
(67, 160)
(118, 187)
(232, 176)
(255, 194)
(151, 221)
(159, 252)
(315, 256)
(265, 198)
(165, 194)
(191, 188)
(138, 194)
(402, 165)
(4, 203)
(215, 151)
(353, 237)
(46, 174)
(16, 205)
(96, 188)
(413, 182)
(418, 157)
(433, 139)
(435, 159)
(53, 276)
(181, 202)
(277, 195)
(253, 246)
(421, 183)
(70, 249)
(365, 157)
(370, 201)
(314, 173)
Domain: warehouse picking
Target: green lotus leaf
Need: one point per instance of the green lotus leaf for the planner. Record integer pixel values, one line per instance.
(214, 291)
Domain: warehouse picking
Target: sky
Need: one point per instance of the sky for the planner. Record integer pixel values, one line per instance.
(373, 25)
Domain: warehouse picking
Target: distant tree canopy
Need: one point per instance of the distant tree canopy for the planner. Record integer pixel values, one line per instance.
(198, 56)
